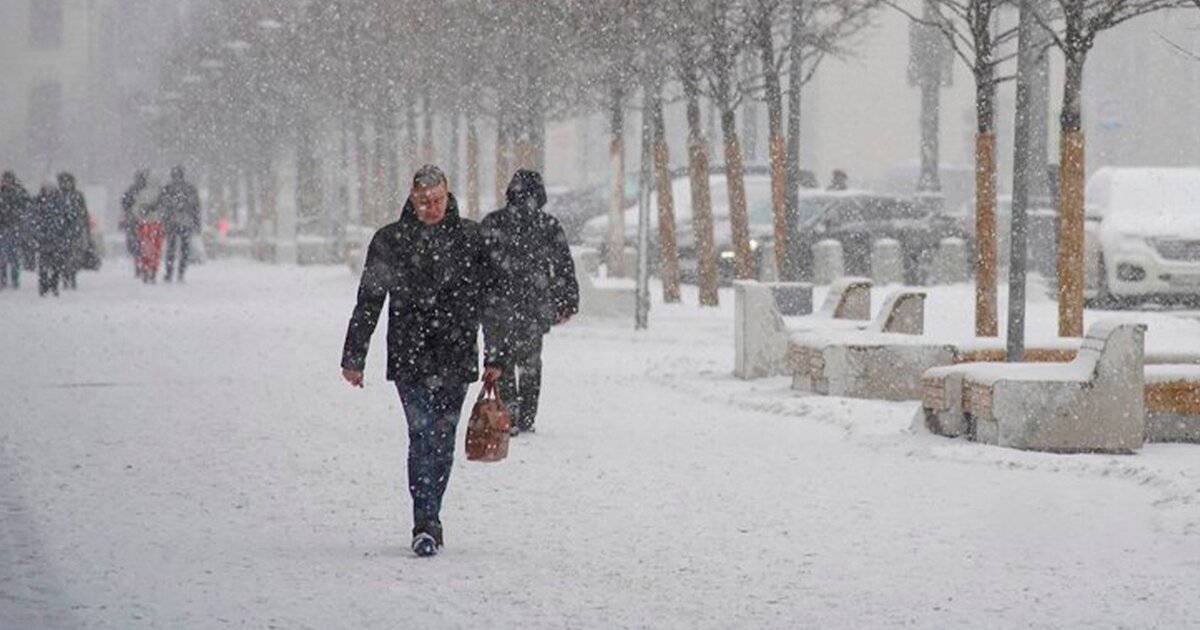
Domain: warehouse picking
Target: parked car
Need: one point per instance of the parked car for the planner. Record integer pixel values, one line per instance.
(575, 206)
(1041, 233)
(857, 219)
(1142, 235)
(758, 208)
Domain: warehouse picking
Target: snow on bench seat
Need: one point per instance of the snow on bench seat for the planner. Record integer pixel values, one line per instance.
(1094, 403)
(761, 330)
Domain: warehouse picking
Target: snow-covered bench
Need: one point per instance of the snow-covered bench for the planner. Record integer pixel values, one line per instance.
(601, 297)
(884, 359)
(1172, 399)
(761, 327)
(1093, 403)
(760, 335)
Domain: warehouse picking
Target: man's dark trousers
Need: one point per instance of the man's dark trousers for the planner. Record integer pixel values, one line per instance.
(521, 384)
(432, 414)
(184, 240)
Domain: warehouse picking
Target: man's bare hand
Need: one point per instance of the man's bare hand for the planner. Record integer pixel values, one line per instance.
(562, 319)
(492, 374)
(354, 377)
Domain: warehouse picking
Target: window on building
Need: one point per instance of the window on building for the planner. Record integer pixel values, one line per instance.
(45, 120)
(45, 24)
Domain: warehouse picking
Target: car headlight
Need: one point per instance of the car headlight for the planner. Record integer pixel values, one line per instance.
(753, 244)
(728, 255)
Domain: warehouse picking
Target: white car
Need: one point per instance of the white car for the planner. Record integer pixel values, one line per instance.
(1142, 234)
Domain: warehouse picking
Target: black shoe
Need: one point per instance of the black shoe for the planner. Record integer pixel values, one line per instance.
(167, 278)
(514, 431)
(427, 539)
(424, 545)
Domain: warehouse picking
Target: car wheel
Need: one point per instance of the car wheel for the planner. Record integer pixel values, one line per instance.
(1104, 299)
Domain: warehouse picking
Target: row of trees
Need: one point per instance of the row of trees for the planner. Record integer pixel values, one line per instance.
(257, 77)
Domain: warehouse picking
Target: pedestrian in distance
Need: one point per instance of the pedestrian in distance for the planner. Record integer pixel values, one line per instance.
(14, 206)
(77, 230)
(431, 267)
(538, 290)
(839, 181)
(150, 231)
(52, 228)
(181, 211)
(129, 216)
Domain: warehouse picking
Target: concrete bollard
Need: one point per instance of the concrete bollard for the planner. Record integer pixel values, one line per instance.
(886, 265)
(766, 259)
(828, 264)
(950, 265)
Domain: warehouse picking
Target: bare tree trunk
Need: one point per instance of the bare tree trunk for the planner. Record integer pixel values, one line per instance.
(473, 210)
(503, 169)
(452, 159)
(413, 150)
(702, 219)
(380, 198)
(779, 178)
(616, 201)
(362, 170)
(797, 265)
(1070, 215)
(666, 202)
(427, 154)
(986, 316)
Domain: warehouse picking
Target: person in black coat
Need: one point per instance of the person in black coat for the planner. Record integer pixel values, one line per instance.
(52, 229)
(14, 206)
(181, 211)
(129, 215)
(538, 291)
(431, 267)
(76, 231)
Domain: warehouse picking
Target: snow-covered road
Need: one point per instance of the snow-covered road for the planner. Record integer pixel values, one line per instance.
(187, 457)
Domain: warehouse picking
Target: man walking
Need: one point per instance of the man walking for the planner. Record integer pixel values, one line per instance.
(181, 208)
(432, 267)
(14, 206)
(539, 290)
(76, 231)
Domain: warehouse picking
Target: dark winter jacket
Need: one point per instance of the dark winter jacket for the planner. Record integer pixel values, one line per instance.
(537, 281)
(78, 219)
(52, 222)
(180, 206)
(437, 279)
(14, 206)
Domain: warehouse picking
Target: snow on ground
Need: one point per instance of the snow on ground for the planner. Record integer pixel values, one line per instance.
(187, 457)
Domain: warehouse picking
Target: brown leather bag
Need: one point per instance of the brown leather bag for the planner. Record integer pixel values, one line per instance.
(487, 431)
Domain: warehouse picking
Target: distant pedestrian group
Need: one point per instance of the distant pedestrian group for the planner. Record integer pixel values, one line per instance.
(50, 232)
(152, 216)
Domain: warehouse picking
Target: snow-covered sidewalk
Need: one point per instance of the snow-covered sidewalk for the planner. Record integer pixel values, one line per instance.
(186, 456)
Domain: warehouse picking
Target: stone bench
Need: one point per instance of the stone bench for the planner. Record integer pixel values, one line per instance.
(765, 314)
(1094, 403)
(602, 297)
(1172, 399)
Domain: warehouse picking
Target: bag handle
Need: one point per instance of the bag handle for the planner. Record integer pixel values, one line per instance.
(489, 387)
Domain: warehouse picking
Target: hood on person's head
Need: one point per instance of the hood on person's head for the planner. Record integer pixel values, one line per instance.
(177, 173)
(141, 177)
(526, 190)
(66, 181)
(9, 178)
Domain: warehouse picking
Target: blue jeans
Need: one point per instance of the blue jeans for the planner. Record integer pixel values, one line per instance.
(432, 415)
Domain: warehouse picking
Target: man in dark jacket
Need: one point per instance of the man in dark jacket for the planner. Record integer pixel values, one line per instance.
(52, 227)
(539, 290)
(14, 206)
(181, 209)
(432, 268)
(76, 231)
